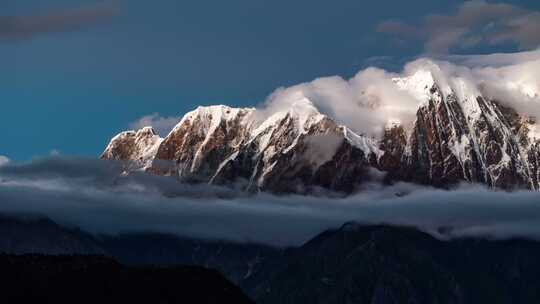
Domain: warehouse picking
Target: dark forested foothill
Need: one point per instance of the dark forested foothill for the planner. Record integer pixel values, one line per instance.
(95, 279)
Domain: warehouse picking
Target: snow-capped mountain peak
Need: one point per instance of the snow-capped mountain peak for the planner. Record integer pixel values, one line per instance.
(218, 144)
(458, 135)
(419, 84)
(139, 146)
(305, 113)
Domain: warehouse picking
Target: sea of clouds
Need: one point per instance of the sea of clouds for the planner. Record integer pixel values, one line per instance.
(94, 196)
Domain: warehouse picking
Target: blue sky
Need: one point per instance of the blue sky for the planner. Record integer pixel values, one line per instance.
(72, 89)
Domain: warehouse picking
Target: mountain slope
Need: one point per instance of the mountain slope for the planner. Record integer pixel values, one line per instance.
(39, 235)
(381, 264)
(33, 234)
(294, 150)
(139, 147)
(238, 262)
(93, 279)
(462, 136)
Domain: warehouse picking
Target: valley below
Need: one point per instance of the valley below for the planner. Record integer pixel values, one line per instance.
(354, 263)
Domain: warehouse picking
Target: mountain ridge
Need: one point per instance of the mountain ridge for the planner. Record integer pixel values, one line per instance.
(218, 144)
(457, 135)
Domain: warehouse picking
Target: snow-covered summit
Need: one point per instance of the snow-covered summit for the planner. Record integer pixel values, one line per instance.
(419, 84)
(218, 143)
(209, 117)
(458, 135)
(139, 146)
(302, 112)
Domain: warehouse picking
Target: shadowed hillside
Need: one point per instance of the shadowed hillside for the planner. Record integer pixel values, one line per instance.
(94, 279)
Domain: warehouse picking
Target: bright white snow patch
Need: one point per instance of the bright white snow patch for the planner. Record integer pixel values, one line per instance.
(367, 145)
(211, 116)
(148, 145)
(418, 85)
(534, 132)
(305, 113)
(459, 148)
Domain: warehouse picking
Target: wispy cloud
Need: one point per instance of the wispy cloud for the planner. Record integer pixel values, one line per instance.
(15, 28)
(474, 23)
(162, 125)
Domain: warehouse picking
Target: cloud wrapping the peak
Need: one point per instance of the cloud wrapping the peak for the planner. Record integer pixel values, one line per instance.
(374, 98)
(364, 103)
(474, 23)
(371, 99)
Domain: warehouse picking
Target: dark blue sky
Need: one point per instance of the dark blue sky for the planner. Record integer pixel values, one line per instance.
(72, 90)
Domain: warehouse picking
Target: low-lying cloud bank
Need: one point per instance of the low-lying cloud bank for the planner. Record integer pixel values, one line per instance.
(93, 195)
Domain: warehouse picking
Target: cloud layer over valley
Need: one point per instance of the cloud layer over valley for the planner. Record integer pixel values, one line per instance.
(94, 196)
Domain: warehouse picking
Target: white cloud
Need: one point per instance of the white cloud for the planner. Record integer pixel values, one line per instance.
(371, 99)
(162, 125)
(364, 103)
(3, 160)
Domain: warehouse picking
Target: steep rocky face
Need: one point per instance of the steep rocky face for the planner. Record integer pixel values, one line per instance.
(458, 136)
(463, 138)
(140, 147)
(296, 150)
(203, 139)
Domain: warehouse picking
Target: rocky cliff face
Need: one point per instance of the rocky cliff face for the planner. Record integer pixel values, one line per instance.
(138, 147)
(297, 150)
(463, 138)
(458, 136)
